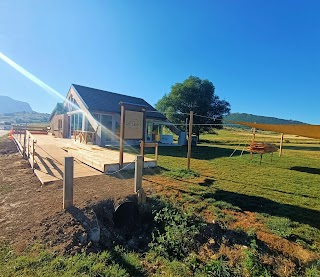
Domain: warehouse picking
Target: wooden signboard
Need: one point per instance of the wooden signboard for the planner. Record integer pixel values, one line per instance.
(133, 125)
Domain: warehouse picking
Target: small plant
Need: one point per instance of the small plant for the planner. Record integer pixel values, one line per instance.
(252, 265)
(174, 233)
(182, 173)
(314, 270)
(217, 268)
(281, 226)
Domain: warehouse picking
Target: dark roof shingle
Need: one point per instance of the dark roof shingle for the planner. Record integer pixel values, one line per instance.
(105, 101)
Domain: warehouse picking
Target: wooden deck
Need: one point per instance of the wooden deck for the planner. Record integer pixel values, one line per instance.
(89, 160)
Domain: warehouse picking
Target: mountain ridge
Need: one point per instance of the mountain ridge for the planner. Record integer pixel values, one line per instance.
(245, 117)
(10, 105)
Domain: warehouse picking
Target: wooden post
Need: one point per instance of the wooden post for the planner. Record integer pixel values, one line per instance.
(156, 151)
(190, 138)
(281, 142)
(68, 183)
(24, 144)
(122, 122)
(253, 134)
(33, 152)
(138, 173)
(143, 134)
(28, 148)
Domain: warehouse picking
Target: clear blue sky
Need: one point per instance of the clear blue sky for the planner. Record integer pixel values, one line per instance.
(262, 56)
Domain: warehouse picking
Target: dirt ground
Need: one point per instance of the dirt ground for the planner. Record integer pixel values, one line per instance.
(30, 212)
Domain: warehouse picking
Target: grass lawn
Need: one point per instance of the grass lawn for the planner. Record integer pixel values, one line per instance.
(228, 216)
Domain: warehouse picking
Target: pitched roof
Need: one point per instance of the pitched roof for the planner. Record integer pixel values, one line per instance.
(58, 109)
(105, 101)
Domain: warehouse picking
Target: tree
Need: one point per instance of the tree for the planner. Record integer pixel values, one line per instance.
(198, 96)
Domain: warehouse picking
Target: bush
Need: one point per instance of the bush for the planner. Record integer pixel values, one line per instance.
(174, 234)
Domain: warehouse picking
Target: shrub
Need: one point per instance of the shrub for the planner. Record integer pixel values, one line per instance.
(174, 233)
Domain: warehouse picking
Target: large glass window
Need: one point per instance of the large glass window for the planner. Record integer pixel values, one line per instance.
(106, 123)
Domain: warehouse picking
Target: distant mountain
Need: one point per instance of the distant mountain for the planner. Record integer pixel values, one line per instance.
(9, 105)
(258, 119)
(25, 117)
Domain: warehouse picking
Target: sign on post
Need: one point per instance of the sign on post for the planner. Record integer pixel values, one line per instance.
(132, 126)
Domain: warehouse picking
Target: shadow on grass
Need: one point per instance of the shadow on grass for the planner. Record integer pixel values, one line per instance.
(129, 174)
(199, 152)
(303, 148)
(305, 169)
(263, 205)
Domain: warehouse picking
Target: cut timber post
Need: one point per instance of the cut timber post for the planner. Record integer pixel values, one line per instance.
(253, 134)
(33, 152)
(122, 121)
(143, 134)
(190, 138)
(281, 142)
(156, 151)
(138, 173)
(68, 183)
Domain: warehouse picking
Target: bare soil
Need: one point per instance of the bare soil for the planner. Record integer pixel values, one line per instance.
(31, 213)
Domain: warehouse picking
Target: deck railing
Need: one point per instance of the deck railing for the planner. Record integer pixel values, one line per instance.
(150, 145)
(84, 136)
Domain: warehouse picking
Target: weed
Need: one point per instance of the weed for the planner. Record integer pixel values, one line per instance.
(174, 233)
(314, 270)
(252, 265)
(281, 226)
(217, 268)
(181, 173)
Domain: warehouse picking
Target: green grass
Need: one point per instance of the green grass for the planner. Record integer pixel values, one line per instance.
(286, 188)
(284, 195)
(40, 262)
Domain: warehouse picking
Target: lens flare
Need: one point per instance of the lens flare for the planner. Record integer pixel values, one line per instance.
(53, 92)
(30, 76)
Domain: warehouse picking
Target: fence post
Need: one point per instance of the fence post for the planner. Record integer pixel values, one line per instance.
(190, 139)
(281, 142)
(28, 148)
(68, 183)
(156, 151)
(24, 143)
(138, 173)
(33, 152)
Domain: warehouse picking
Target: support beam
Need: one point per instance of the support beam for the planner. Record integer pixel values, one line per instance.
(122, 122)
(190, 138)
(68, 183)
(143, 141)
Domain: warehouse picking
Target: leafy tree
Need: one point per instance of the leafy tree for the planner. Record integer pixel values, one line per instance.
(196, 95)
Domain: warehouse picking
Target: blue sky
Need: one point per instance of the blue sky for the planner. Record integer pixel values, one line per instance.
(262, 56)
